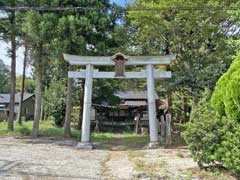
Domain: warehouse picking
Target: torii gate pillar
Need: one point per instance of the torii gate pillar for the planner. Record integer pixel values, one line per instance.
(119, 60)
(152, 107)
(85, 138)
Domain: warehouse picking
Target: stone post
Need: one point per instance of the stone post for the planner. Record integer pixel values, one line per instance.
(152, 107)
(163, 125)
(168, 129)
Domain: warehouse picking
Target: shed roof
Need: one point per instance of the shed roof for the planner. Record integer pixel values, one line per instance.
(133, 94)
(5, 98)
(134, 103)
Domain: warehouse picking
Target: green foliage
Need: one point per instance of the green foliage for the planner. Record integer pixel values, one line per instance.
(193, 35)
(29, 84)
(226, 96)
(104, 92)
(24, 129)
(229, 151)
(4, 78)
(40, 29)
(54, 101)
(10, 25)
(201, 134)
(196, 38)
(213, 139)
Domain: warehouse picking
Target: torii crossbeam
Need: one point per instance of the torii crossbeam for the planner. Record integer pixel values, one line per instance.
(119, 61)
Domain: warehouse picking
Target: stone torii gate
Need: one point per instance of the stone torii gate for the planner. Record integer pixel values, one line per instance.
(119, 61)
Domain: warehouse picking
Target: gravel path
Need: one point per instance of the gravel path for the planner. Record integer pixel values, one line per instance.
(117, 166)
(51, 159)
(48, 159)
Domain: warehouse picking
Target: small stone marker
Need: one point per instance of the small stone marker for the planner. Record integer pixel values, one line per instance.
(144, 131)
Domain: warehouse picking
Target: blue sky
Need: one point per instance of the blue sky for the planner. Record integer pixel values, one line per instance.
(3, 55)
(120, 2)
(4, 46)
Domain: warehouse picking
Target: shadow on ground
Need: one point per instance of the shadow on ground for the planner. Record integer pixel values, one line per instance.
(117, 142)
(121, 143)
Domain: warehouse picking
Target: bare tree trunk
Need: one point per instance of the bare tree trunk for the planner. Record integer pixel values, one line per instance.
(67, 123)
(13, 73)
(23, 85)
(38, 94)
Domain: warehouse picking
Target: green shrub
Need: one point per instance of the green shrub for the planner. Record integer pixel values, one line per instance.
(229, 150)
(213, 139)
(54, 101)
(225, 99)
(24, 131)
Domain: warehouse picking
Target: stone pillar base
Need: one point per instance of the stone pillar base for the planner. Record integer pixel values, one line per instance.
(85, 145)
(153, 145)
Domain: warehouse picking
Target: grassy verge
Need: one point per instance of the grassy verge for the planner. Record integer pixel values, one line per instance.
(47, 129)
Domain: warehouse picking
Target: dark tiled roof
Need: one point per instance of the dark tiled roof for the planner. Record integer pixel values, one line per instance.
(5, 98)
(134, 103)
(133, 94)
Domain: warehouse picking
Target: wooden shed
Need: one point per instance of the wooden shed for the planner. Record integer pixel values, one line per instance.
(27, 110)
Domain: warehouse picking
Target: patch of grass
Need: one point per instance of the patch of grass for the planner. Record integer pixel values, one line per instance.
(134, 141)
(101, 136)
(24, 129)
(135, 154)
(150, 169)
(179, 154)
(130, 137)
(48, 129)
(210, 174)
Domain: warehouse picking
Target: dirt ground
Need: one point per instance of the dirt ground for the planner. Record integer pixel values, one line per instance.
(50, 159)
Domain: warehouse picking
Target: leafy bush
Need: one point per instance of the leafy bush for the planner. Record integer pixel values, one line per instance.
(225, 99)
(213, 139)
(54, 101)
(24, 131)
(229, 149)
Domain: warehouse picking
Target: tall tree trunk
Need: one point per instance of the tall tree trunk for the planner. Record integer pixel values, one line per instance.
(67, 123)
(13, 72)
(38, 95)
(23, 85)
